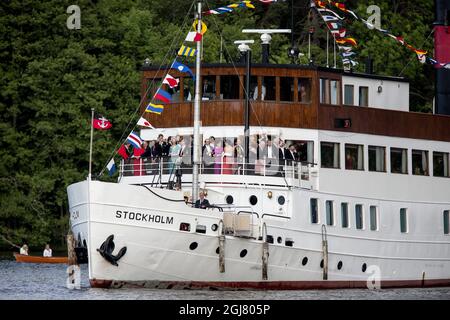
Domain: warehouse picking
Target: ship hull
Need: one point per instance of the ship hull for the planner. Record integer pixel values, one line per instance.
(159, 255)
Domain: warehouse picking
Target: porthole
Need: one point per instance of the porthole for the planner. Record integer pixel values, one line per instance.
(321, 263)
(214, 227)
(269, 238)
(339, 265)
(253, 200)
(243, 253)
(279, 239)
(364, 267)
(229, 199)
(193, 245)
(304, 261)
(217, 250)
(281, 200)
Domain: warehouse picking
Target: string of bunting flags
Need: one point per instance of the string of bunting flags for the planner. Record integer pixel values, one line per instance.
(421, 54)
(337, 30)
(161, 96)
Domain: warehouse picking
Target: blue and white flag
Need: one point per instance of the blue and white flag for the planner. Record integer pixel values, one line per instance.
(135, 140)
(182, 68)
(111, 166)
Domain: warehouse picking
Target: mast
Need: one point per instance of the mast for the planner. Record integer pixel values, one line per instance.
(196, 155)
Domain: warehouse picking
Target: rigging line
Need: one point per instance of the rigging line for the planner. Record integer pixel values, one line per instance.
(413, 56)
(235, 70)
(174, 41)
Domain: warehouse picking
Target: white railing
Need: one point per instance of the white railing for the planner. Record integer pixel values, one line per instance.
(296, 172)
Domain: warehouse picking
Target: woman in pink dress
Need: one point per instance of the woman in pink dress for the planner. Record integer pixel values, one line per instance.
(137, 162)
(228, 159)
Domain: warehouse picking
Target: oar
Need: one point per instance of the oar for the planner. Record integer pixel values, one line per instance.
(6, 240)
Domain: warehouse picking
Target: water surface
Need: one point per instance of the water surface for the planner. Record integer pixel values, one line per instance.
(29, 281)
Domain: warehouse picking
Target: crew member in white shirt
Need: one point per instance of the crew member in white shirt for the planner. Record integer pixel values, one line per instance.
(47, 251)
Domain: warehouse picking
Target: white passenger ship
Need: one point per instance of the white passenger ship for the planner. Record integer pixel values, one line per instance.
(368, 197)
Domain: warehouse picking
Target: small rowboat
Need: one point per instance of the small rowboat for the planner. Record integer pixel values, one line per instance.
(37, 259)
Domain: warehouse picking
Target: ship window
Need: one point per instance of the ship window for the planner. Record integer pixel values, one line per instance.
(304, 90)
(253, 200)
(420, 162)
(363, 96)
(229, 87)
(399, 160)
(324, 91)
(373, 218)
(354, 157)
(440, 164)
(349, 94)
(344, 215)
(377, 159)
(253, 87)
(188, 89)
(359, 219)
(268, 89)
(286, 89)
(446, 222)
(334, 91)
(329, 212)
(403, 220)
(208, 87)
(329, 154)
(305, 149)
(314, 211)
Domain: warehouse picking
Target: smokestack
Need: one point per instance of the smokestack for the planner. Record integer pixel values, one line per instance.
(442, 54)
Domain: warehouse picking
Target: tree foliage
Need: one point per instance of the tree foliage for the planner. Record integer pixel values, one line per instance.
(53, 76)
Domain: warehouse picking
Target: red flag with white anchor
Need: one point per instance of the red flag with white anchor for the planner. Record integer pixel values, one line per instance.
(101, 122)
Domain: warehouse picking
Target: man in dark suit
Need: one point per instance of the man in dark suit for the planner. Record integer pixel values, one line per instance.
(202, 203)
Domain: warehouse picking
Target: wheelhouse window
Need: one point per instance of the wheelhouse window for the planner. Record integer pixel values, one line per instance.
(188, 89)
(349, 94)
(329, 212)
(208, 87)
(229, 87)
(334, 91)
(286, 89)
(314, 211)
(253, 87)
(399, 160)
(304, 90)
(268, 89)
(354, 157)
(329, 154)
(363, 96)
(377, 157)
(420, 162)
(324, 91)
(174, 92)
(373, 218)
(440, 164)
(359, 219)
(403, 220)
(344, 215)
(446, 222)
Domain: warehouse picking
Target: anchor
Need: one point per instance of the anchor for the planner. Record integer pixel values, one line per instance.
(107, 248)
